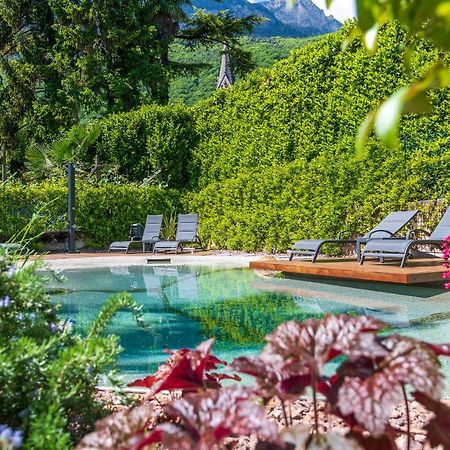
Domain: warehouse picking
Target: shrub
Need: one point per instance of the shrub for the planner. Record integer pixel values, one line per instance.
(104, 212)
(276, 155)
(48, 374)
(153, 142)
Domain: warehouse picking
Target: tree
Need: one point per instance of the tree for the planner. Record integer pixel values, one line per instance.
(43, 158)
(25, 30)
(78, 60)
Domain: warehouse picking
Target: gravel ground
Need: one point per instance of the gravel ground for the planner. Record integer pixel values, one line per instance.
(301, 411)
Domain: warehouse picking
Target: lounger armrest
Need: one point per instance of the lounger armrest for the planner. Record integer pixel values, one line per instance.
(380, 231)
(412, 234)
(351, 232)
(136, 238)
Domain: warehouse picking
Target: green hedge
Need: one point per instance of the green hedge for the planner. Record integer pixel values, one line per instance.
(276, 155)
(104, 212)
(153, 142)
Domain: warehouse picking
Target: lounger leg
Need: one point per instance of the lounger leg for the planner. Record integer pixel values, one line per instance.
(404, 259)
(291, 256)
(358, 251)
(361, 261)
(316, 254)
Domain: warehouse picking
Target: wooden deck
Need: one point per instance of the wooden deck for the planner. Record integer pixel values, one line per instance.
(416, 271)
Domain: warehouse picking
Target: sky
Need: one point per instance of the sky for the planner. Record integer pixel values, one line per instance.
(340, 9)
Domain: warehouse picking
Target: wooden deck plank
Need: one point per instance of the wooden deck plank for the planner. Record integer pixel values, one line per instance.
(416, 271)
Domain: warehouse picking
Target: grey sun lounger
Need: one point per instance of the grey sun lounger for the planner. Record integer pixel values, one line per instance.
(387, 228)
(150, 235)
(401, 249)
(187, 228)
(11, 247)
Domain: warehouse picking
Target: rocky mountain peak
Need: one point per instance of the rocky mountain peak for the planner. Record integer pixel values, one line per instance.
(303, 19)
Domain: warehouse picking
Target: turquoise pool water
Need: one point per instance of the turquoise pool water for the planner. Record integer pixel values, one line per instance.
(187, 304)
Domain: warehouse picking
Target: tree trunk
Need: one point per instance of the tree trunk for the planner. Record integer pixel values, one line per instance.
(164, 85)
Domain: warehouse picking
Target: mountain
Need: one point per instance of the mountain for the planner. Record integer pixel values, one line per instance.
(302, 20)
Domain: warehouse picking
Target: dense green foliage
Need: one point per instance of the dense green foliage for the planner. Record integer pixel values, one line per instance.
(194, 87)
(276, 155)
(48, 374)
(272, 159)
(153, 143)
(63, 62)
(104, 212)
(429, 20)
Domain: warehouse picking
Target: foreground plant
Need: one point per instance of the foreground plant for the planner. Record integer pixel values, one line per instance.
(201, 421)
(375, 374)
(187, 371)
(48, 373)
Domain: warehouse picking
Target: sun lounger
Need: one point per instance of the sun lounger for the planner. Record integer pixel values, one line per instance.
(401, 249)
(387, 228)
(187, 227)
(150, 235)
(10, 247)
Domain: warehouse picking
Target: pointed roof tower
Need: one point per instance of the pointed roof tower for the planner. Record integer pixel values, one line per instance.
(226, 77)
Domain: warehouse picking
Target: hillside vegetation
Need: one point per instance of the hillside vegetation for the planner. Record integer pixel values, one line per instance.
(192, 88)
(276, 157)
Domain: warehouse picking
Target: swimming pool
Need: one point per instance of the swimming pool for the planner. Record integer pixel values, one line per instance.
(186, 304)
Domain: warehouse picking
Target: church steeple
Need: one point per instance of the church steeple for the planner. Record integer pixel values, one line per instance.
(226, 77)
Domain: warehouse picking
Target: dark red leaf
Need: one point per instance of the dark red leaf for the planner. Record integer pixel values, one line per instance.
(441, 349)
(384, 442)
(217, 377)
(211, 416)
(186, 370)
(295, 385)
(315, 342)
(438, 428)
(369, 393)
(264, 445)
(173, 437)
(274, 377)
(146, 382)
(122, 430)
(186, 375)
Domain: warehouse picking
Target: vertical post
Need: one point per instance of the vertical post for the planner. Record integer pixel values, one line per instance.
(71, 207)
(3, 158)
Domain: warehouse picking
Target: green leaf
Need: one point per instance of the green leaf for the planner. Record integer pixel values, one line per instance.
(443, 10)
(364, 131)
(355, 32)
(37, 159)
(370, 39)
(418, 104)
(387, 118)
(366, 19)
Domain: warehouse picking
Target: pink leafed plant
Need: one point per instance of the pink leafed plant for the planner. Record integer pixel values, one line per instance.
(446, 256)
(374, 373)
(187, 371)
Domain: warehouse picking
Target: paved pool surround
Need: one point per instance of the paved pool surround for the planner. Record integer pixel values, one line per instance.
(66, 261)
